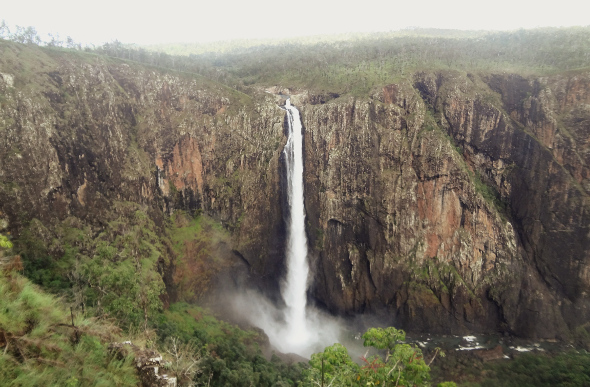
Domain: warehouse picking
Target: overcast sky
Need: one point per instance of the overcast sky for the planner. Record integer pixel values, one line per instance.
(144, 22)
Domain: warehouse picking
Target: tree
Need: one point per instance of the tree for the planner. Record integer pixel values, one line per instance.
(403, 365)
(185, 360)
(121, 275)
(27, 35)
(4, 30)
(4, 242)
(55, 41)
(333, 367)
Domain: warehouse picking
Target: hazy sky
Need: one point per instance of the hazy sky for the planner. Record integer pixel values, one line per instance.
(133, 21)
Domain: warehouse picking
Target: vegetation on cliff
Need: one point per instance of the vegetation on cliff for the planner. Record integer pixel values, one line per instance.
(116, 275)
(454, 165)
(360, 63)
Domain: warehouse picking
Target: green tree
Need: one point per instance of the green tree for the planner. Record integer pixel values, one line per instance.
(121, 277)
(333, 367)
(4, 242)
(403, 364)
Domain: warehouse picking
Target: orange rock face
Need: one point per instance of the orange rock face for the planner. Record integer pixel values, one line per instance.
(184, 169)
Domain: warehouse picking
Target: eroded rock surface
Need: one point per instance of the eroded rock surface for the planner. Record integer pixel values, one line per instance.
(446, 202)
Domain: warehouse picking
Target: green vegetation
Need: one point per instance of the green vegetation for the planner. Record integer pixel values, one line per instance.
(197, 242)
(434, 278)
(121, 278)
(115, 273)
(489, 193)
(582, 335)
(356, 65)
(43, 345)
(566, 369)
(4, 242)
(537, 369)
(229, 356)
(403, 364)
(41, 266)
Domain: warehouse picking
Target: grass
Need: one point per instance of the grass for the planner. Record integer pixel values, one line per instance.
(40, 347)
(489, 193)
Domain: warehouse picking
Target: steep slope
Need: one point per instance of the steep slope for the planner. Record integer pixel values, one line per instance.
(445, 202)
(80, 131)
(42, 344)
(455, 202)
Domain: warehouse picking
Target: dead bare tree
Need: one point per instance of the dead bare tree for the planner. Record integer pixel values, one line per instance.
(185, 360)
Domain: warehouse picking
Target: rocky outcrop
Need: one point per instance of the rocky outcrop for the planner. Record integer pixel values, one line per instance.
(150, 366)
(437, 202)
(446, 202)
(77, 135)
(396, 221)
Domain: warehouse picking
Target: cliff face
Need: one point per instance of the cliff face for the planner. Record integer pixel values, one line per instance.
(455, 202)
(446, 202)
(79, 132)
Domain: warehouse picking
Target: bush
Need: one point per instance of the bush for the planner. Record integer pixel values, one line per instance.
(42, 348)
(229, 355)
(570, 369)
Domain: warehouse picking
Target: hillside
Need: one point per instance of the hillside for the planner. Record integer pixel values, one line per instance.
(446, 178)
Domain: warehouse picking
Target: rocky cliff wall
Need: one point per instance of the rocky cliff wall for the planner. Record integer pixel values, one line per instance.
(446, 202)
(454, 202)
(81, 131)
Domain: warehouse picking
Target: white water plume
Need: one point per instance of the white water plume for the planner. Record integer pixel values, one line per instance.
(295, 286)
(297, 328)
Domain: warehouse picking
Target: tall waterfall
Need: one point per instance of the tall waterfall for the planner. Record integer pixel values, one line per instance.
(295, 328)
(295, 286)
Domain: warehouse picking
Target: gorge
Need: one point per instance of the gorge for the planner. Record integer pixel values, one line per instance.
(447, 200)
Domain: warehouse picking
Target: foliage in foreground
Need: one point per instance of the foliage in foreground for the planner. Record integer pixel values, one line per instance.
(114, 270)
(40, 347)
(403, 364)
(229, 356)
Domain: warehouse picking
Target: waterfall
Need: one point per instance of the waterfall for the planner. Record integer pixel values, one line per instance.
(295, 328)
(295, 285)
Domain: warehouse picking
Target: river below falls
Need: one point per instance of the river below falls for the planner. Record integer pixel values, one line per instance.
(460, 344)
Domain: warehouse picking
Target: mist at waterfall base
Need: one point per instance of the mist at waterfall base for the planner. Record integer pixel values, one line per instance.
(296, 328)
(320, 329)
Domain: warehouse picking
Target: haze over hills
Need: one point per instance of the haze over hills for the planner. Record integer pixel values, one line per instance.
(445, 175)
